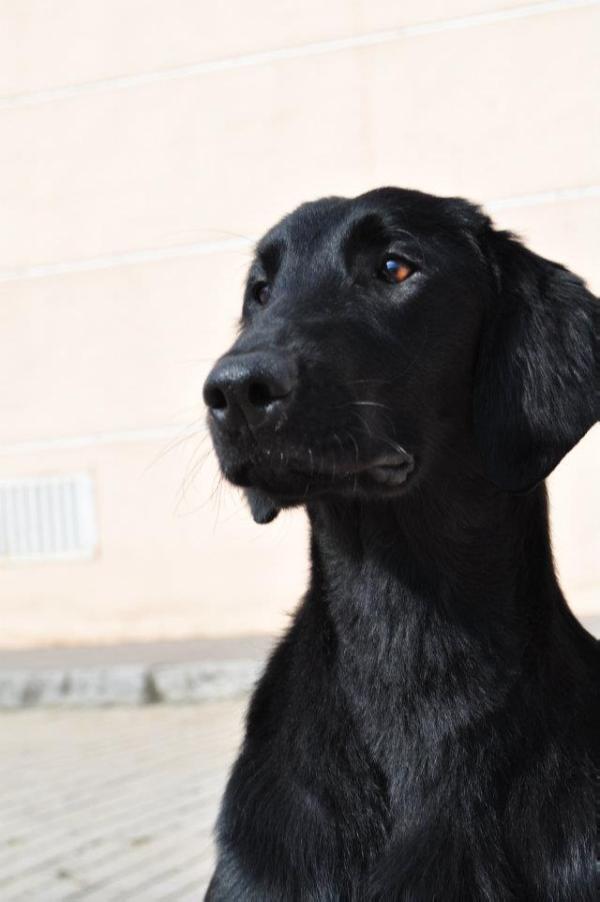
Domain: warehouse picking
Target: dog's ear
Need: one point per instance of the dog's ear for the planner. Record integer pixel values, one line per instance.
(262, 508)
(537, 381)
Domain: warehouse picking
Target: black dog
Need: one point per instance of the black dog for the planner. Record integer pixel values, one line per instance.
(428, 729)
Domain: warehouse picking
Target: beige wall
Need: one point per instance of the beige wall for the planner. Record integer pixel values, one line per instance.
(143, 143)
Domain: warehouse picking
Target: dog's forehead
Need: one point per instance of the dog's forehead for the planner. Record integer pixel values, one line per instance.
(323, 225)
(309, 226)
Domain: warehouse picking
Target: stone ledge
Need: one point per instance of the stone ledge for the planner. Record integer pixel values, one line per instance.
(128, 684)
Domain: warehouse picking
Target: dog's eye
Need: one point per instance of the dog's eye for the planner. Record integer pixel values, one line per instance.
(396, 270)
(262, 293)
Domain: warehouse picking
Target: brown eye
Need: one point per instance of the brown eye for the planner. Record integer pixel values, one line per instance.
(396, 270)
(262, 293)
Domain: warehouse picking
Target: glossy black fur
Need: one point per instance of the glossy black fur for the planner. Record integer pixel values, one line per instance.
(428, 729)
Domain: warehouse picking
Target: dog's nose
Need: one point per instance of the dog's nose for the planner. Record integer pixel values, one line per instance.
(256, 387)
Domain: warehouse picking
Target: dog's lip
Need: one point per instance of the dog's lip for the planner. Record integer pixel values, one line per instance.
(388, 469)
(392, 470)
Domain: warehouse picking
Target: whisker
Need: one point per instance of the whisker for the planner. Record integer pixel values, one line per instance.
(363, 423)
(357, 457)
(193, 468)
(177, 442)
(219, 499)
(361, 404)
(340, 443)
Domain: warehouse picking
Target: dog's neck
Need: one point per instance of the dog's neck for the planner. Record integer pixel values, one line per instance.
(451, 550)
(429, 599)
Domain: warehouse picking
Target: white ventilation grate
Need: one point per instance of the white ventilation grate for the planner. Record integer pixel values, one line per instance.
(47, 518)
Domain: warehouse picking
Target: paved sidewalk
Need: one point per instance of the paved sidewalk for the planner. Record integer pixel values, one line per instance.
(112, 805)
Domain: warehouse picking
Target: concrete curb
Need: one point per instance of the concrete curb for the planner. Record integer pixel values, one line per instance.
(128, 684)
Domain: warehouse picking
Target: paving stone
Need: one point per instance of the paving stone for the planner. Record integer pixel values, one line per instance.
(46, 688)
(97, 686)
(13, 686)
(112, 804)
(196, 682)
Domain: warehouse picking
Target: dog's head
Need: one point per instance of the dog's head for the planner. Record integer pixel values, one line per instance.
(384, 334)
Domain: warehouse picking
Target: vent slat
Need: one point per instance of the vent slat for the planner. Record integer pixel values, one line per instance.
(48, 518)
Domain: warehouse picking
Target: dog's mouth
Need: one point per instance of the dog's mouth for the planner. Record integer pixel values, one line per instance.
(392, 470)
(293, 479)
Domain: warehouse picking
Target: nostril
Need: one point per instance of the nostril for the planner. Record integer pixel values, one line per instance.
(215, 398)
(259, 394)
(248, 390)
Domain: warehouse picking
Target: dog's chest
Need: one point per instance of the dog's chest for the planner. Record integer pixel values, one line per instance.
(411, 679)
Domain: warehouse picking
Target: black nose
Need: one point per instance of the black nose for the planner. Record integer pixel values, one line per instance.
(256, 387)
